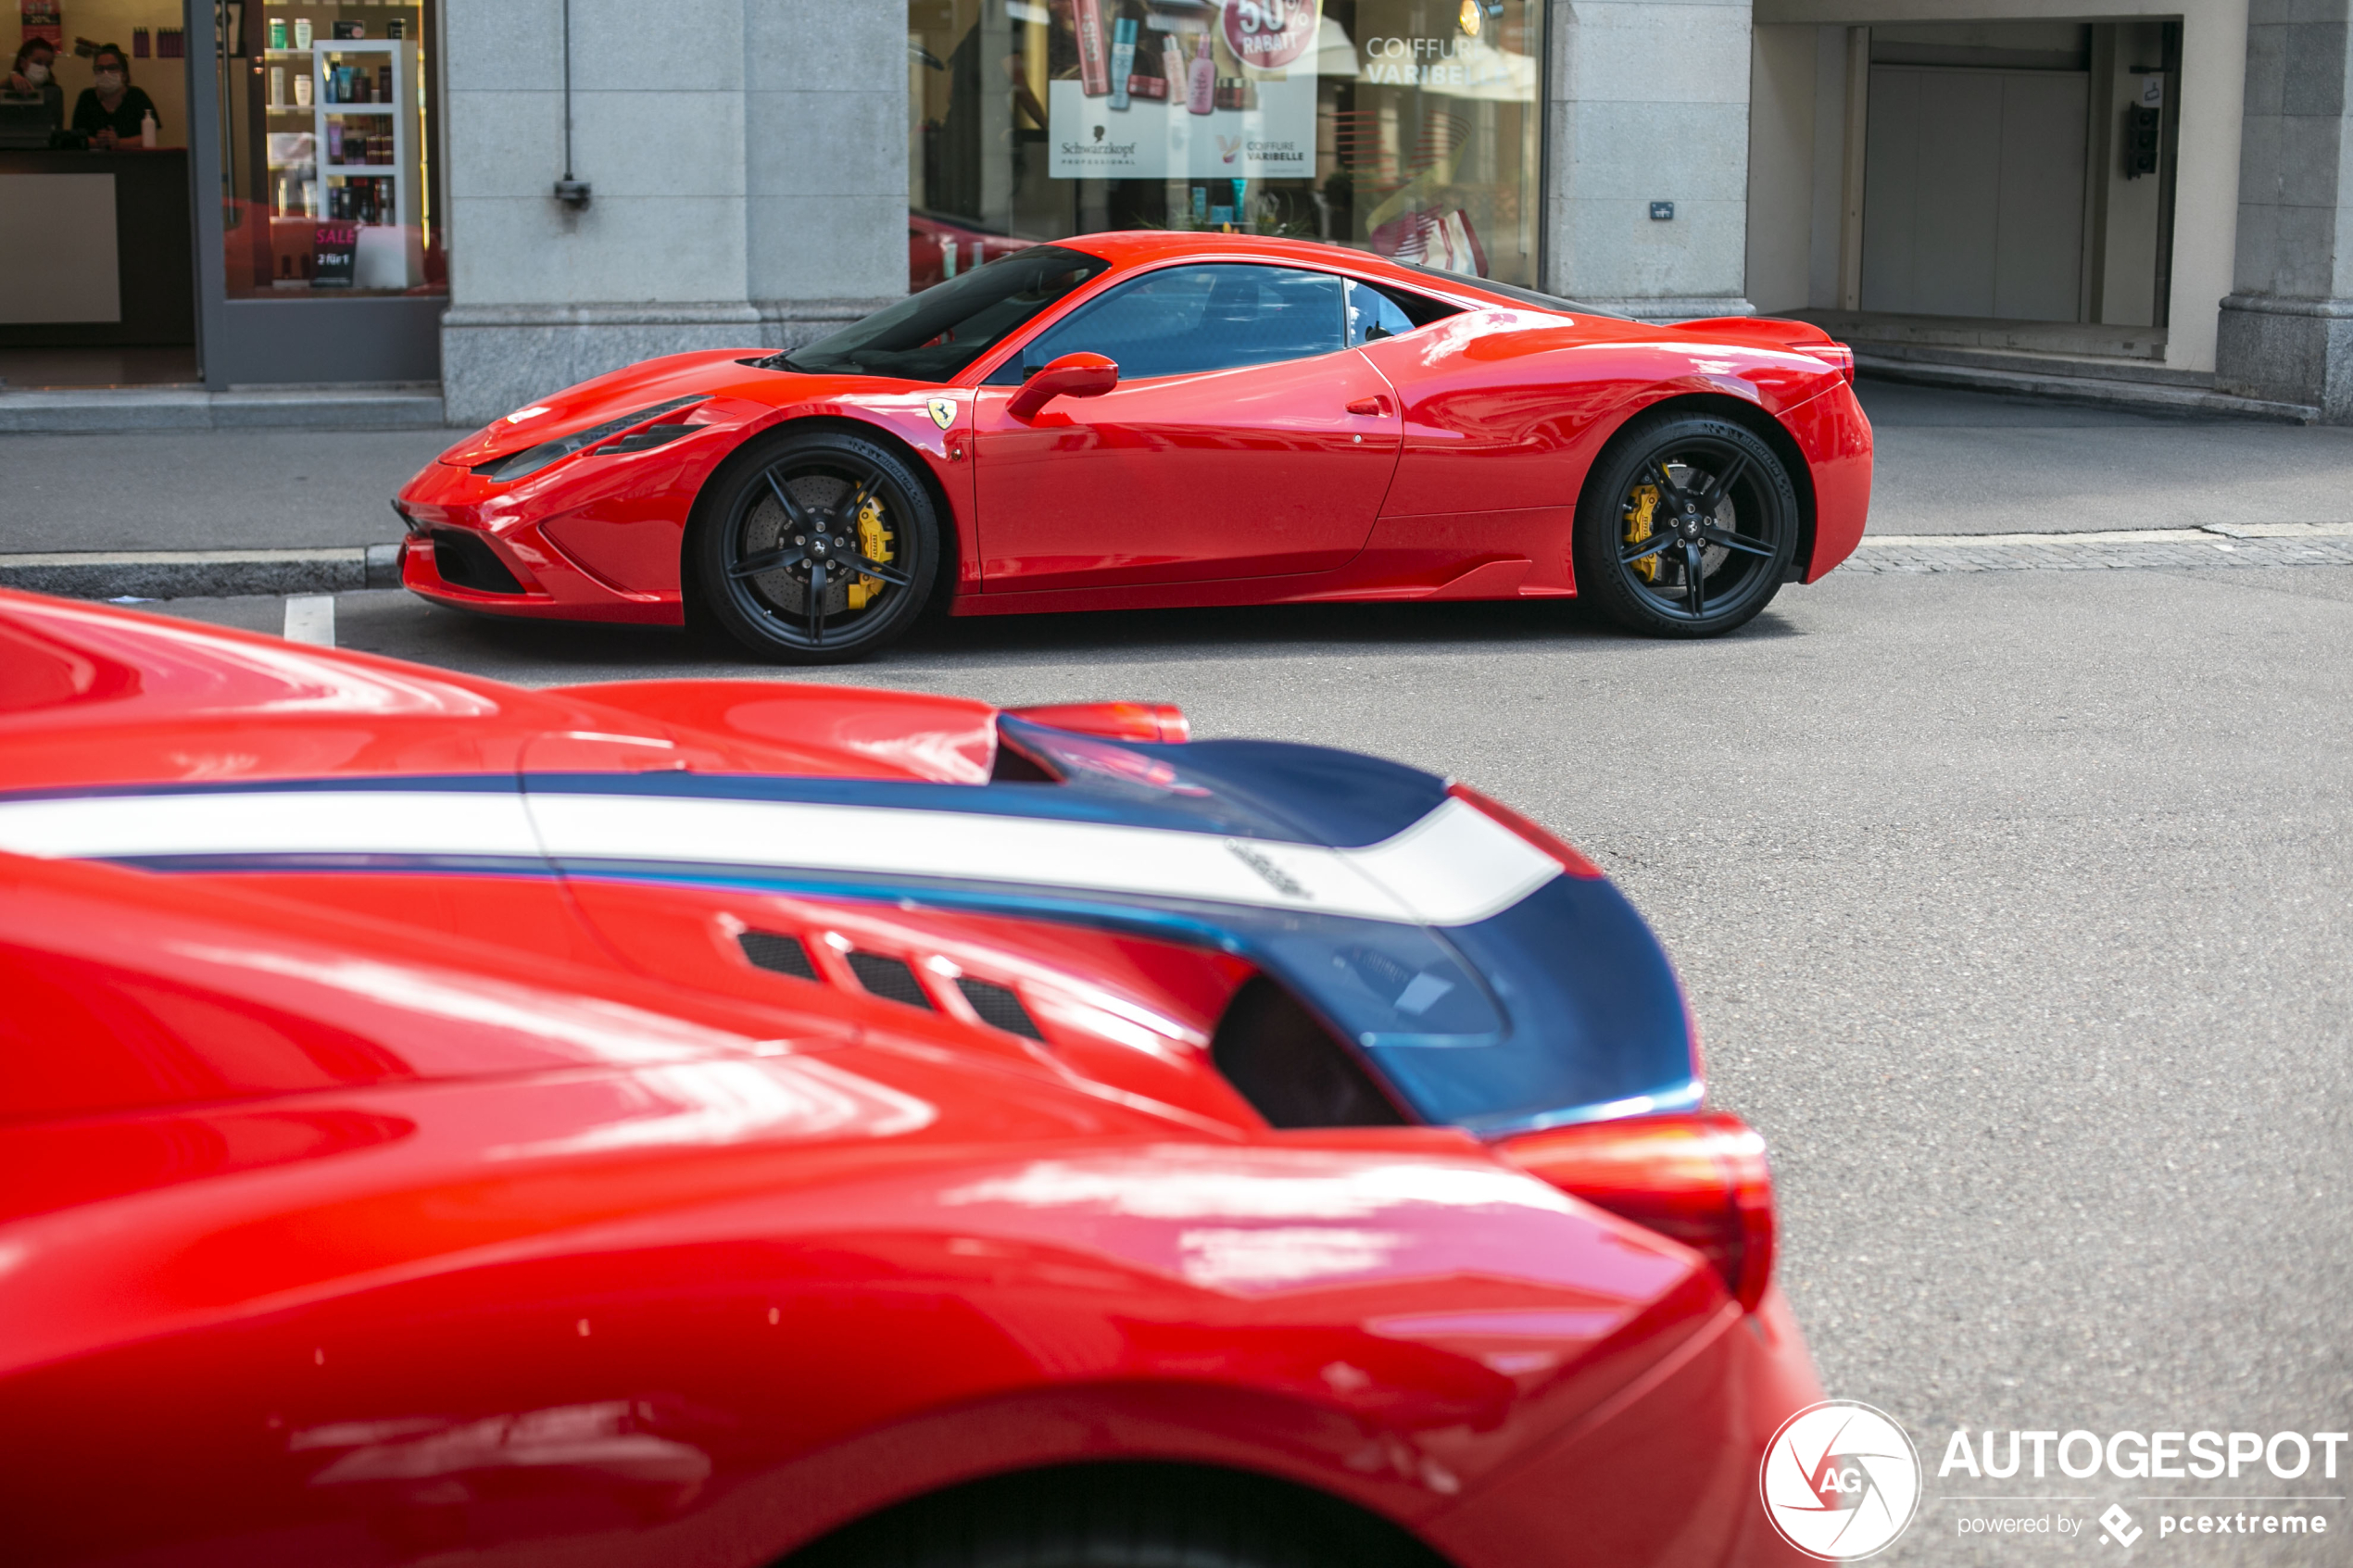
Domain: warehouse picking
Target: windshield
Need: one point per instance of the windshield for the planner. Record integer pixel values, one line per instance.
(932, 335)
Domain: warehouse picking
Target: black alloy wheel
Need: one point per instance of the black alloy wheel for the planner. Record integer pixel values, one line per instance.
(813, 548)
(1687, 526)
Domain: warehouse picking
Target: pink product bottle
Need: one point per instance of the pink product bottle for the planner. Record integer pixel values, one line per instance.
(1200, 91)
(1094, 62)
(334, 141)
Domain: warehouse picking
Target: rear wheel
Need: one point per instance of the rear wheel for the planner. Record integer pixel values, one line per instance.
(813, 548)
(1686, 527)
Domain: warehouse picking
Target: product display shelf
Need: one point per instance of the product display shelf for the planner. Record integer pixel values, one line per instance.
(396, 254)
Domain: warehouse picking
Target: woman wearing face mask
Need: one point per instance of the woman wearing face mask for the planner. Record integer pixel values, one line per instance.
(109, 110)
(32, 77)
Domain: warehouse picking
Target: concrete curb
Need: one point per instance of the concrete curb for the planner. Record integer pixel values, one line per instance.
(2139, 397)
(188, 574)
(123, 409)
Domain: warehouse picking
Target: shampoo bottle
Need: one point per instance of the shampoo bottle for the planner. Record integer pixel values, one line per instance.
(1200, 91)
(1094, 70)
(1123, 60)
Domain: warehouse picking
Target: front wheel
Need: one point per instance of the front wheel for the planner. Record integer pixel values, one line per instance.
(812, 548)
(1686, 527)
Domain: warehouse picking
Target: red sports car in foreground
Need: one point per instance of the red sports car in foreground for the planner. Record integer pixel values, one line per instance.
(1142, 419)
(726, 1121)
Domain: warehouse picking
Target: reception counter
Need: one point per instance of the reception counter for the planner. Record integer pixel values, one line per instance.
(96, 250)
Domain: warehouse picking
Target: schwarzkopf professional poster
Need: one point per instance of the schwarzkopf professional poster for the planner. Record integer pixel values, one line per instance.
(1234, 95)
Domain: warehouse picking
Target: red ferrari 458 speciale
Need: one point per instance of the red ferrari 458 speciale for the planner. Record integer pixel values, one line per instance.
(734, 1123)
(1141, 420)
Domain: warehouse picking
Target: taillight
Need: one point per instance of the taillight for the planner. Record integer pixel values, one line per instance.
(1558, 848)
(1700, 1179)
(1160, 721)
(1838, 357)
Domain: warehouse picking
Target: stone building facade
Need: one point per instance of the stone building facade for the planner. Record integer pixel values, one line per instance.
(2096, 191)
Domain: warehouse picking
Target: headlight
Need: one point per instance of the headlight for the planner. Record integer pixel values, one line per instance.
(520, 465)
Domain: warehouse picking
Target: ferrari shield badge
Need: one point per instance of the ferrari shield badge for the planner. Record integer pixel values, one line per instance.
(943, 411)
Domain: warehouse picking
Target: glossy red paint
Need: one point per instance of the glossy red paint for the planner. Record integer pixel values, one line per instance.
(358, 1217)
(1701, 1179)
(1441, 463)
(1261, 472)
(1158, 722)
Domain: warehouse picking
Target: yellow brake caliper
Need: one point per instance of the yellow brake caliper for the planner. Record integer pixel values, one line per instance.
(1638, 528)
(874, 543)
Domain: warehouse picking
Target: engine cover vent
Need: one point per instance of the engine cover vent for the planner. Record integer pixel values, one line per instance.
(890, 979)
(770, 950)
(999, 1008)
(1290, 1068)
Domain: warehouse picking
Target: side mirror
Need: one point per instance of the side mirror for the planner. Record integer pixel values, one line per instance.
(1072, 375)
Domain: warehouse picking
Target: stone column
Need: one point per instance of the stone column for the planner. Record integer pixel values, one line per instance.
(1649, 103)
(825, 150)
(2286, 329)
(543, 294)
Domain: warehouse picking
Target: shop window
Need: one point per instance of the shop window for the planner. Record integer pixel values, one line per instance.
(94, 176)
(1408, 128)
(331, 150)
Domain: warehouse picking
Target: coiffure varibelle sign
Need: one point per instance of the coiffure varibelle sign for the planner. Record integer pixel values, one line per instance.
(1235, 99)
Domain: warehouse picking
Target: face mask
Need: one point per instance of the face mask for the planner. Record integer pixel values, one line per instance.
(36, 74)
(109, 82)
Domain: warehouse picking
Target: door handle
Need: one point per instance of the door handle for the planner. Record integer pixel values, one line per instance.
(1374, 405)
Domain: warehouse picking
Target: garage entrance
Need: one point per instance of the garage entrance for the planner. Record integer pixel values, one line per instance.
(1986, 186)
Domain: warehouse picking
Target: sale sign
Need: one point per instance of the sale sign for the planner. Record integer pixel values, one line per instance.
(1269, 34)
(42, 20)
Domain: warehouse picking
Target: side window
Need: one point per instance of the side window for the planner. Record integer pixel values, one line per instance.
(1372, 314)
(1184, 321)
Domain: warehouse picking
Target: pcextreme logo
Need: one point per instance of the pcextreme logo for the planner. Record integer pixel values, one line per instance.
(1840, 1481)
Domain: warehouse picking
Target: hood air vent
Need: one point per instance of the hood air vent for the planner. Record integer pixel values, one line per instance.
(890, 979)
(784, 955)
(999, 1008)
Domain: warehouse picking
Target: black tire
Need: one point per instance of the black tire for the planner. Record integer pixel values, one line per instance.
(1116, 1515)
(1681, 501)
(777, 554)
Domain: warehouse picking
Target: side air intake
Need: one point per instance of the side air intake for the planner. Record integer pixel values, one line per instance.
(890, 979)
(999, 1008)
(1288, 1066)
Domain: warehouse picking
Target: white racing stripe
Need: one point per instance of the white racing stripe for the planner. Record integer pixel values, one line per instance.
(1454, 867)
(1092, 857)
(330, 821)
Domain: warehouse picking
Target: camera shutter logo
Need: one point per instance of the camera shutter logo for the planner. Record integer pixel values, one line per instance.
(1840, 1481)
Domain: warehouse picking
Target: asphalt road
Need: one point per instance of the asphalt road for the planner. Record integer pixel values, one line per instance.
(2016, 909)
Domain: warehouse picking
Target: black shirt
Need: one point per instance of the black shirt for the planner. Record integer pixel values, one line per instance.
(90, 117)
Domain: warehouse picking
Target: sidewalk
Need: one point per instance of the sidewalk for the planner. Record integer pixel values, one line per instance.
(173, 513)
(177, 513)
